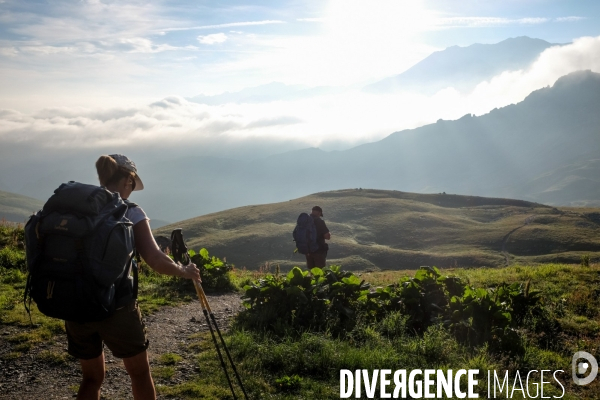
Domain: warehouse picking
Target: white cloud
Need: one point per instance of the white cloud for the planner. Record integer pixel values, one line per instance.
(47, 50)
(356, 42)
(212, 38)
(85, 21)
(8, 51)
(143, 45)
(345, 118)
(569, 19)
(311, 19)
(228, 25)
(513, 86)
(479, 22)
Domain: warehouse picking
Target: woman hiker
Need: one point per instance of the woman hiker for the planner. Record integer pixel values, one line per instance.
(124, 332)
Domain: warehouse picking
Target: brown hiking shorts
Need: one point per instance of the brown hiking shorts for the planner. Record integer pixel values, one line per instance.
(124, 333)
(315, 260)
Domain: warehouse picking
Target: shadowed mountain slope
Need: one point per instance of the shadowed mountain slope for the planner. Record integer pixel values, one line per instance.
(17, 208)
(397, 230)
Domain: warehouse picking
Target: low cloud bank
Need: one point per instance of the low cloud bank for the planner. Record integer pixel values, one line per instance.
(330, 121)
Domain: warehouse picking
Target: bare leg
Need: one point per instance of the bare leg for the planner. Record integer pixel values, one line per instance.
(93, 376)
(138, 369)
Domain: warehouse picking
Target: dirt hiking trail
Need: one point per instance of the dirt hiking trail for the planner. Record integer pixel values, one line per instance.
(31, 376)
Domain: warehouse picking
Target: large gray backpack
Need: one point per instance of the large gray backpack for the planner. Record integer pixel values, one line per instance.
(80, 251)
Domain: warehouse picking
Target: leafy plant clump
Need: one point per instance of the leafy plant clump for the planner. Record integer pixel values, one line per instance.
(12, 258)
(318, 300)
(215, 273)
(12, 254)
(337, 301)
(289, 383)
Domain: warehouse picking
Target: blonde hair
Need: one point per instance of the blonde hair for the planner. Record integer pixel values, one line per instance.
(109, 172)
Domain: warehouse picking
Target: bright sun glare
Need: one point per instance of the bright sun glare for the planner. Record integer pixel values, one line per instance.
(361, 42)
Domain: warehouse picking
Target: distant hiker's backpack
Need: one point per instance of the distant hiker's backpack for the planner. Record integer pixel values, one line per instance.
(305, 234)
(80, 250)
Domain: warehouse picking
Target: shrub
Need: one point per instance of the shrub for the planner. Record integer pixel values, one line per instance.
(585, 260)
(12, 258)
(215, 273)
(11, 234)
(289, 383)
(341, 303)
(318, 300)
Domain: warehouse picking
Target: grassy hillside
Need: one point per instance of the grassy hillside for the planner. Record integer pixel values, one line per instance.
(396, 230)
(17, 208)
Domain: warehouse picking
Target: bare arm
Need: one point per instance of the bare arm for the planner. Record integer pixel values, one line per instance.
(156, 259)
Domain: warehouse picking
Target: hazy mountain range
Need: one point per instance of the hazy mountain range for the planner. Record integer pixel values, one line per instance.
(545, 148)
(464, 67)
(542, 149)
(459, 67)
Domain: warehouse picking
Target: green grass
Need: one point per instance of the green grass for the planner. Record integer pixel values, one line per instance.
(54, 357)
(163, 373)
(263, 359)
(170, 359)
(156, 290)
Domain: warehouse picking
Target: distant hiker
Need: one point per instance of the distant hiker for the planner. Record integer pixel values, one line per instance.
(123, 332)
(310, 234)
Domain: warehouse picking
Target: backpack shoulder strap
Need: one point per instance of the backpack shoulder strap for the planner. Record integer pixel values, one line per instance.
(137, 259)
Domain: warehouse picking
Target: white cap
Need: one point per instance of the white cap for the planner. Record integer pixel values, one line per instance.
(129, 165)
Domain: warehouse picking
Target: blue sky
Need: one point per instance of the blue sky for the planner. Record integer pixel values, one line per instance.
(102, 66)
(553, 26)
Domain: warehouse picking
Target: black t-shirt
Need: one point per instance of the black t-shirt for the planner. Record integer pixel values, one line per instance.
(321, 231)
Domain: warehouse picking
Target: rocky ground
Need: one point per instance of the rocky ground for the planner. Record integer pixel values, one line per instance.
(36, 375)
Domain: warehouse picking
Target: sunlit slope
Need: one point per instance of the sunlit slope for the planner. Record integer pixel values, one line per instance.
(398, 230)
(17, 208)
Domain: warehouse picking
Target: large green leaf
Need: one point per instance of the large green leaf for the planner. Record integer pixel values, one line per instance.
(295, 276)
(352, 280)
(204, 253)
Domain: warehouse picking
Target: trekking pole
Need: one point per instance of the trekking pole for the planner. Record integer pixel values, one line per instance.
(180, 254)
(214, 320)
(212, 333)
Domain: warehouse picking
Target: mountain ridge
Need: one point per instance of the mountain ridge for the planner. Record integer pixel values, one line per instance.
(463, 67)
